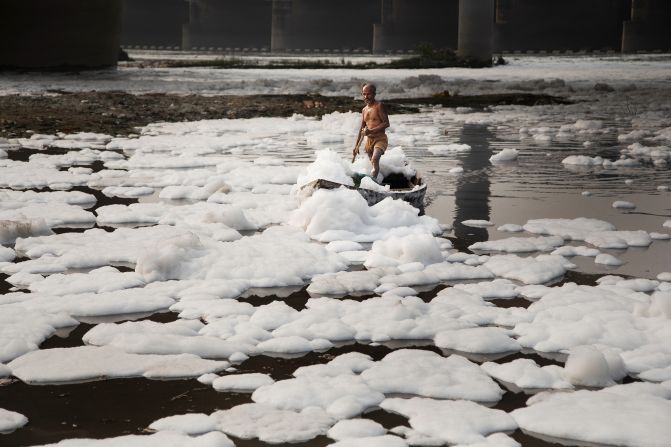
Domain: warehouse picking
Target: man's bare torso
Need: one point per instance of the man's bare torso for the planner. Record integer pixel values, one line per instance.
(373, 116)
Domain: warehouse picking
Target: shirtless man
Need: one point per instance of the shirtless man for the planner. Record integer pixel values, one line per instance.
(374, 121)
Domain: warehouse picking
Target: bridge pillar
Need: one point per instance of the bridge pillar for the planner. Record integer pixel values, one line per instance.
(476, 30)
(280, 25)
(381, 31)
(60, 33)
(648, 28)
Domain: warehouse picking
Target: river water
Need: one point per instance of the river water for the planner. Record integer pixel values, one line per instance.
(533, 186)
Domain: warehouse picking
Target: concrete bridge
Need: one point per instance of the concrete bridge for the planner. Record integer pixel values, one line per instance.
(88, 33)
(383, 26)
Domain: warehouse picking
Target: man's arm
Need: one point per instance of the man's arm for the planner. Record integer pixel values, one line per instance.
(384, 117)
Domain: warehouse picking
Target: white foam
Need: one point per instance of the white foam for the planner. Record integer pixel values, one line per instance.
(343, 283)
(482, 340)
(396, 251)
(273, 425)
(160, 439)
(519, 245)
(341, 397)
(328, 165)
(570, 251)
(242, 382)
(506, 155)
(101, 280)
(342, 214)
(477, 223)
(565, 415)
(293, 344)
(22, 175)
(537, 270)
(372, 441)
(496, 289)
(511, 228)
(10, 230)
(54, 214)
(79, 198)
(424, 373)
(90, 249)
(607, 316)
(127, 191)
(619, 239)
(454, 422)
(149, 337)
(350, 363)
(623, 204)
(22, 330)
(608, 259)
(280, 256)
(97, 363)
(440, 149)
(587, 366)
(11, 420)
(355, 428)
(192, 424)
(6, 254)
(570, 229)
(526, 374)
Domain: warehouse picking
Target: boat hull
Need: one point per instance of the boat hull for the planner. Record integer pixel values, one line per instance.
(414, 196)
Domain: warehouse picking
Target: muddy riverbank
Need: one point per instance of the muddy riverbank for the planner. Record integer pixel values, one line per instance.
(117, 113)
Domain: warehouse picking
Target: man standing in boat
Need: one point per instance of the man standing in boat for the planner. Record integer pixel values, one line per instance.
(374, 122)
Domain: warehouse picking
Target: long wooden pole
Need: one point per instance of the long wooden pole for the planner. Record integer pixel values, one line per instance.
(356, 146)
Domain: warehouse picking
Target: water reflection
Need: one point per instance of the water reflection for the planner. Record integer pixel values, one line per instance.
(473, 189)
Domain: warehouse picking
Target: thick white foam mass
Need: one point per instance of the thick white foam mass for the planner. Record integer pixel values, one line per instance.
(425, 373)
(343, 214)
(273, 425)
(452, 421)
(96, 363)
(563, 415)
(526, 374)
(341, 397)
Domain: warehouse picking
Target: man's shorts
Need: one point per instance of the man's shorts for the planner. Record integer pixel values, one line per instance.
(376, 142)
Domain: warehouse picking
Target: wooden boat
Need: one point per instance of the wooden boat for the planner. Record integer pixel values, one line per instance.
(411, 191)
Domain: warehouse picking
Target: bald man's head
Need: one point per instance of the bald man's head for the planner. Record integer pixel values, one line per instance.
(371, 87)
